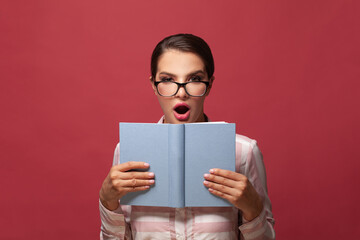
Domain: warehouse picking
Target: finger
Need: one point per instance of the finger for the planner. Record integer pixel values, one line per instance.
(221, 194)
(136, 175)
(221, 188)
(136, 189)
(133, 183)
(227, 174)
(221, 180)
(123, 167)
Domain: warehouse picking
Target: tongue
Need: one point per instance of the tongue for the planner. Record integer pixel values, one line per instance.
(181, 109)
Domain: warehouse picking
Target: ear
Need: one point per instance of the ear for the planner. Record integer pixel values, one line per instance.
(212, 79)
(152, 84)
(210, 85)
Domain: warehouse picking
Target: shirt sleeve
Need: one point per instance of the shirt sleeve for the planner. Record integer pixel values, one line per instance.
(113, 224)
(262, 227)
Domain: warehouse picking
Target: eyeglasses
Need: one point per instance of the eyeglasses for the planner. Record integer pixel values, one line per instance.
(169, 88)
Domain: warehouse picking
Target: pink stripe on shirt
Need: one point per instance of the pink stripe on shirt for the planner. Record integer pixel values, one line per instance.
(150, 226)
(213, 227)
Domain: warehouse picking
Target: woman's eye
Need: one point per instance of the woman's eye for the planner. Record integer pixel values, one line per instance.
(165, 79)
(195, 78)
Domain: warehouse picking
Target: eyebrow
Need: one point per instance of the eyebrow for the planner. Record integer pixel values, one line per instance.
(192, 73)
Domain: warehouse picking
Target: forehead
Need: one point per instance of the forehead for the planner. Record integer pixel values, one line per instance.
(177, 62)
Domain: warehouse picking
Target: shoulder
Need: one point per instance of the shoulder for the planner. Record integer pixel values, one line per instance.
(247, 153)
(245, 142)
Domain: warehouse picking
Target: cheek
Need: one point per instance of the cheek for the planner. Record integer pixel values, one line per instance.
(199, 102)
(164, 103)
(197, 106)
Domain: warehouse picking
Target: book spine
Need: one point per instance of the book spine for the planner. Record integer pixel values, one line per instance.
(176, 143)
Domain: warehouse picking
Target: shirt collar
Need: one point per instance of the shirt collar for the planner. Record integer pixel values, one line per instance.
(161, 121)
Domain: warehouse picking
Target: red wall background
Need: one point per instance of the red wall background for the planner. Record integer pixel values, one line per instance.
(287, 72)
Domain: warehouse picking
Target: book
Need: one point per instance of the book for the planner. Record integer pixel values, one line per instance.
(179, 155)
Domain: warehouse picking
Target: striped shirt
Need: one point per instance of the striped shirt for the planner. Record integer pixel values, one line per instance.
(143, 222)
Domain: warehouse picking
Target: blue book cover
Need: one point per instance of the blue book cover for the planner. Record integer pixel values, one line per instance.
(179, 155)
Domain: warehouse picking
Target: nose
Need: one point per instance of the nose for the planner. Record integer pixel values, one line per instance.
(182, 93)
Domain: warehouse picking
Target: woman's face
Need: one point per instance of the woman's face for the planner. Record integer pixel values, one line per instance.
(181, 67)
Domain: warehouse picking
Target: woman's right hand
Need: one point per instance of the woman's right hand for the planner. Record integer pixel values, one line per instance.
(120, 182)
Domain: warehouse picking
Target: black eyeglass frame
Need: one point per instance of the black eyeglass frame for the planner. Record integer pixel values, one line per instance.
(182, 85)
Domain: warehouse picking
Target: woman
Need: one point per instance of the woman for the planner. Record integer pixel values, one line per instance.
(182, 70)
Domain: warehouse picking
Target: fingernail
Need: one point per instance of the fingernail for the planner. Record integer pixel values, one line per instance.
(147, 186)
(146, 164)
(211, 171)
(206, 182)
(206, 175)
(151, 174)
(151, 181)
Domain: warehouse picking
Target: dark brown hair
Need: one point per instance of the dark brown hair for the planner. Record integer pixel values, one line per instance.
(184, 43)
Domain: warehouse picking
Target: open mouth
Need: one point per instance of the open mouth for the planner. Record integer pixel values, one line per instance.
(182, 109)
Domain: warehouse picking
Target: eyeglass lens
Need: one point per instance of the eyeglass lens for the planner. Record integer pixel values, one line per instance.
(192, 88)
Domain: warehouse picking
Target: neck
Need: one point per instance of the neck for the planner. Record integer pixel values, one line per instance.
(202, 118)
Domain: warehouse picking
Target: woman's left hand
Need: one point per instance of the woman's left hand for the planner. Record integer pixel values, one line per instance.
(237, 189)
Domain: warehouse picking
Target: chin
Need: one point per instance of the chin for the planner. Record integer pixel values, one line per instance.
(174, 120)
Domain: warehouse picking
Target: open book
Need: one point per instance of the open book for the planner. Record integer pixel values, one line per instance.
(179, 155)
